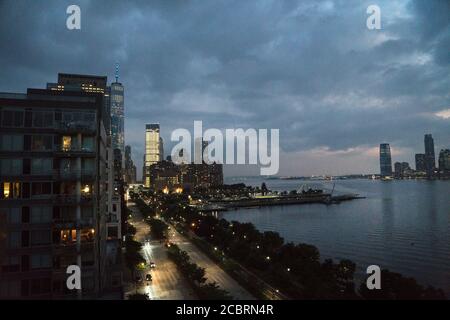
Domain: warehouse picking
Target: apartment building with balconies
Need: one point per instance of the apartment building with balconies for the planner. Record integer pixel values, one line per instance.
(53, 193)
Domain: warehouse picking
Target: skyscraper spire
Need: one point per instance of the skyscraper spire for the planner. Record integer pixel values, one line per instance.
(117, 72)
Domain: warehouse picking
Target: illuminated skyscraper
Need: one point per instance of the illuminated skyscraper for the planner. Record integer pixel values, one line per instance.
(117, 114)
(152, 150)
(385, 160)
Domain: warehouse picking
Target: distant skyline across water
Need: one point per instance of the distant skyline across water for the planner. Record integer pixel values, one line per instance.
(401, 225)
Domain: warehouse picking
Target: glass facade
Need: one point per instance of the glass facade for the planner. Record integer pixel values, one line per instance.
(385, 160)
(117, 117)
(152, 150)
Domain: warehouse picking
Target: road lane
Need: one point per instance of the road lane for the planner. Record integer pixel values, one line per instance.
(212, 270)
(167, 282)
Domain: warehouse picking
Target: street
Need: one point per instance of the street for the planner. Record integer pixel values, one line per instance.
(212, 270)
(167, 283)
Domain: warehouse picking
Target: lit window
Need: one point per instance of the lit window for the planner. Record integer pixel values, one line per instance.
(67, 142)
(6, 190)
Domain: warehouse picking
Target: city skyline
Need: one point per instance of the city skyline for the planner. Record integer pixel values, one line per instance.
(383, 85)
(247, 151)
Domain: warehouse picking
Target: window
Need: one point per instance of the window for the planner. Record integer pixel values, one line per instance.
(11, 264)
(88, 143)
(113, 232)
(25, 214)
(14, 239)
(28, 119)
(40, 237)
(114, 207)
(41, 166)
(16, 190)
(41, 188)
(10, 190)
(11, 167)
(26, 166)
(41, 143)
(11, 142)
(43, 119)
(66, 143)
(7, 192)
(25, 190)
(87, 259)
(87, 213)
(10, 288)
(88, 165)
(25, 239)
(25, 263)
(13, 215)
(40, 261)
(41, 214)
(12, 118)
(68, 236)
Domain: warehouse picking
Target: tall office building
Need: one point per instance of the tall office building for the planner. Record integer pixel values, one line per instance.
(430, 159)
(152, 150)
(420, 162)
(444, 160)
(117, 116)
(52, 193)
(161, 149)
(385, 160)
(130, 168)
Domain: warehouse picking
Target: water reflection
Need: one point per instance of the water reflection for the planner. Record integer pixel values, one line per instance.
(403, 226)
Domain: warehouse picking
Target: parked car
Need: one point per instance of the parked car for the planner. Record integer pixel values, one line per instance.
(148, 277)
(152, 265)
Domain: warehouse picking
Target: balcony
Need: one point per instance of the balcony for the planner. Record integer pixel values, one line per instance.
(73, 151)
(71, 223)
(85, 127)
(71, 199)
(74, 175)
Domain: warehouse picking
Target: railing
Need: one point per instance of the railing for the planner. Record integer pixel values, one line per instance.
(73, 223)
(72, 149)
(72, 198)
(75, 126)
(74, 174)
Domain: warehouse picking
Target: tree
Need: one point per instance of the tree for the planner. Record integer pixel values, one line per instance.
(158, 228)
(138, 296)
(394, 286)
(212, 291)
(264, 189)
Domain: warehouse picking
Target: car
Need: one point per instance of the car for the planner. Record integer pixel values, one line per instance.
(148, 277)
(152, 265)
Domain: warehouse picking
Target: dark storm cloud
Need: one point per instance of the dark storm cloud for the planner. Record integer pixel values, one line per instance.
(310, 68)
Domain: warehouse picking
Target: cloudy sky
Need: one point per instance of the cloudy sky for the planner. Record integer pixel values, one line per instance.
(310, 68)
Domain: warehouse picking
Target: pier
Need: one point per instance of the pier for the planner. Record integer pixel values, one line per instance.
(324, 198)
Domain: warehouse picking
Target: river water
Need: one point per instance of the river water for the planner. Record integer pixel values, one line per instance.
(402, 225)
